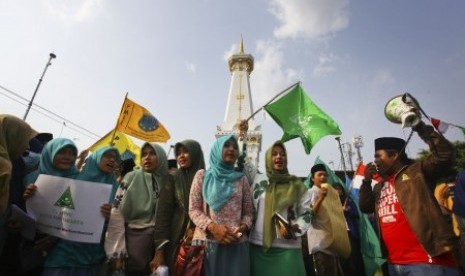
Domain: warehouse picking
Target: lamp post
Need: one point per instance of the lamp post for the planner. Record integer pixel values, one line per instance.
(348, 151)
(358, 144)
(49, 62)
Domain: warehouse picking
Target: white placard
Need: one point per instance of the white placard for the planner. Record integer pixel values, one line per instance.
(69, 208)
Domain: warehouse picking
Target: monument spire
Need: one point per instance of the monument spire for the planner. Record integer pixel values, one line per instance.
(239, 105)
(241, 46)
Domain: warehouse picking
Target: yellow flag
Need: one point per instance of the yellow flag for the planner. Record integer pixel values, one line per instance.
(136, 121)
(126, 147)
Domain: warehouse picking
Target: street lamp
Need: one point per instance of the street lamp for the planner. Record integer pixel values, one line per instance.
(49, 62)
(358, 144)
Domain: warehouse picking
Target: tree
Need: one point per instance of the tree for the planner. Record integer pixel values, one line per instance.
(460, 160)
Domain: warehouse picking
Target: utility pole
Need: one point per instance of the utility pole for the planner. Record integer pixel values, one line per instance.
(49, 62)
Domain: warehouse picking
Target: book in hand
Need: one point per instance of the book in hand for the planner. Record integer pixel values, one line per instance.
(283, 227)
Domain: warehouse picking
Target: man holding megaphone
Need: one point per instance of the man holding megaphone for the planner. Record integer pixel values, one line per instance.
(415, 238)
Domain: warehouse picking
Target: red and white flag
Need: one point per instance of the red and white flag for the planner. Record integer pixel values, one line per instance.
(360, 175)
(441, 126)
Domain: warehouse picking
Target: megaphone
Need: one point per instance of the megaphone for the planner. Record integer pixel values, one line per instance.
(403, 109)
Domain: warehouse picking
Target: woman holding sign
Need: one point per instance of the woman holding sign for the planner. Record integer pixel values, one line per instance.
(99, 167)
(63, 257)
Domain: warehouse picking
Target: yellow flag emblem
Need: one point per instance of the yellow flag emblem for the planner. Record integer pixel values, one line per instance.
(138, 122)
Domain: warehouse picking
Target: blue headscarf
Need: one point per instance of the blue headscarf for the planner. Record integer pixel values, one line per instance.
(92, 172)
(46, 161)
(218, 181)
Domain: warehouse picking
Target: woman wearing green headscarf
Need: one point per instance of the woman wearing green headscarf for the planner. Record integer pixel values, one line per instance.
(283, 214)
(14, 140)
(173, 219)
(220, 205)
(137, 202)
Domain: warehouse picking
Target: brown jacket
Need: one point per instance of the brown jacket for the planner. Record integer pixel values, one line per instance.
(414, 185)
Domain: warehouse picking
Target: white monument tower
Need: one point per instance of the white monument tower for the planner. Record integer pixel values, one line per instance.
(239, 104)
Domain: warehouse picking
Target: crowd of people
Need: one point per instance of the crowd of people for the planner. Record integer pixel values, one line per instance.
(230, 218)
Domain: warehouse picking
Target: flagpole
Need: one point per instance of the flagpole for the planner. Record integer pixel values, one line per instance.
(351, 186)
(117, 121)
(169, 151)
(272, 99)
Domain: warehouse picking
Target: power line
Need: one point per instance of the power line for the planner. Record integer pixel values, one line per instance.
(36, 108)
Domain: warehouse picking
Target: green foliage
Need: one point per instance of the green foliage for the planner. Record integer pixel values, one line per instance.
(460, 160)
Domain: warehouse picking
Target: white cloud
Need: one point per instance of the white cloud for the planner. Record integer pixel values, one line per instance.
(190, 67)
(310, 19)
(75, 11)
(269, 77)
(325, 65)
(234, 49)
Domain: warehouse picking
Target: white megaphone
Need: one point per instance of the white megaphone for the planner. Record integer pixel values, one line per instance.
(403, 109)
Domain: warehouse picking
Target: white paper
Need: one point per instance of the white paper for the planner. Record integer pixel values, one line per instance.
(69, 208)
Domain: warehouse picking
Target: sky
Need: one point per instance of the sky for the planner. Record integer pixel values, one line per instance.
(171, 57)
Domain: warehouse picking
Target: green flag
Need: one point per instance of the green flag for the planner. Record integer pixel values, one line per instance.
(463, 130)
(298, 116)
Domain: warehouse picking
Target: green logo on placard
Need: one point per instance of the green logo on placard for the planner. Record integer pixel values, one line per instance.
(65, 200)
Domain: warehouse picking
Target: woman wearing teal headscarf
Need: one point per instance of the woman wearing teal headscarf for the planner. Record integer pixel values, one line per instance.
(137, 202)
(100, 167)
(66, 258)
(67, 150)
(220, 205)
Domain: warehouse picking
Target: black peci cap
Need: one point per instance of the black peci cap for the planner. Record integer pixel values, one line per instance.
(317, 168)
(389, 143)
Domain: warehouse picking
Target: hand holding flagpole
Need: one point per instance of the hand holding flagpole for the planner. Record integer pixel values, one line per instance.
(117, 121)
